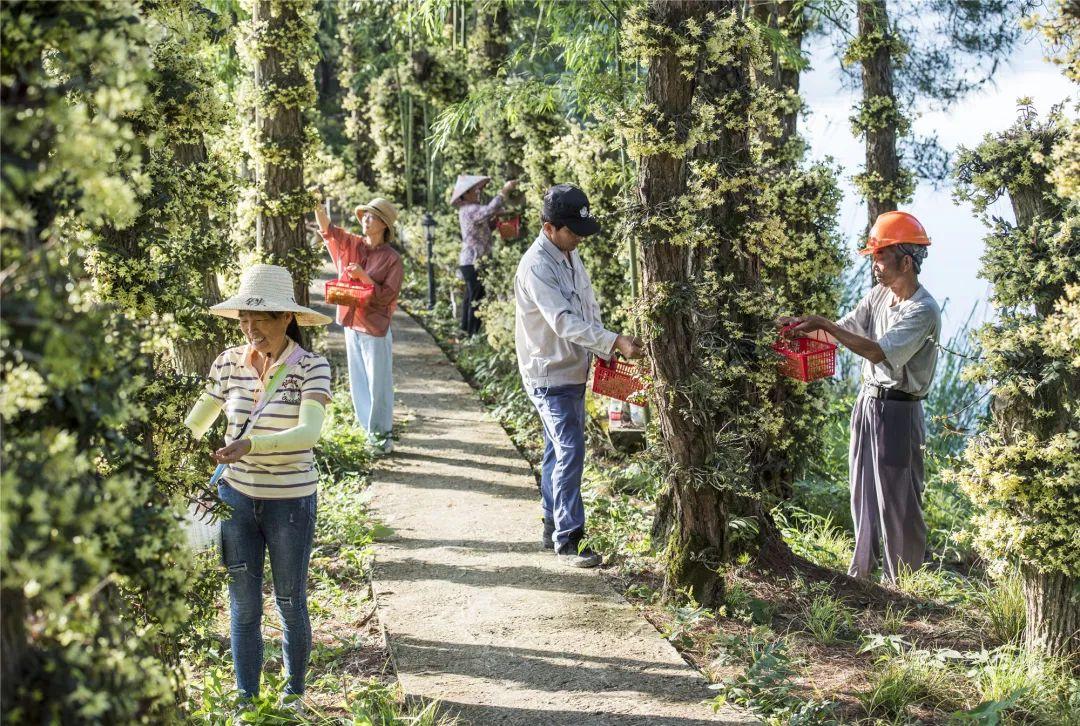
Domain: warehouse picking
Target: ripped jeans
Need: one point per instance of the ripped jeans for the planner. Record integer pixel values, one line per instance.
(285, 528)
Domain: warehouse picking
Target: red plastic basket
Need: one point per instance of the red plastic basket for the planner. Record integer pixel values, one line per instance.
(348, 292)
(509, 227)
(806, 359)
(617, 379)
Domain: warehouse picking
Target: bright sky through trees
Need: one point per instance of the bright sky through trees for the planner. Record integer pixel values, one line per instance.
(952, 268)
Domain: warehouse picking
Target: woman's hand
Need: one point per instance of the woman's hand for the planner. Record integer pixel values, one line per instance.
(357, 273)
(234, 452)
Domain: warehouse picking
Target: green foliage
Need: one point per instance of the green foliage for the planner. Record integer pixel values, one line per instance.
(99, 593)
(1022, 469)
(1003, 607)
(766, 686)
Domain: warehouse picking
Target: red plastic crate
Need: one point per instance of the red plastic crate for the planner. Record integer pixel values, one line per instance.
(509, 227)
(806, 359)
(617, 379)
(348, 292)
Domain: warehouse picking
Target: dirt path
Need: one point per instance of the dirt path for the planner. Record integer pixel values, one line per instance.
(477, 615)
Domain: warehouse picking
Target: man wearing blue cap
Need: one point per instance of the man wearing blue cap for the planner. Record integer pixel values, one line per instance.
(557, 330)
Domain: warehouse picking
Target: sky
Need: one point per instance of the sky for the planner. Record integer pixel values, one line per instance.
(950, 273)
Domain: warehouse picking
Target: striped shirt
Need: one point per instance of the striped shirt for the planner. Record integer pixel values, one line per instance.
(236, 385)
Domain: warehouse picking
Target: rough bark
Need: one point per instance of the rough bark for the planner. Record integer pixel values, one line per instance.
(283, 129)
(698, 539)
(195, 356)
(784, 16)
(14, 646)
(1052, 602)
(882, 158)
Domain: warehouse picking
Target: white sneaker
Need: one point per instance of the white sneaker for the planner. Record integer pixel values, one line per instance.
(294, 705)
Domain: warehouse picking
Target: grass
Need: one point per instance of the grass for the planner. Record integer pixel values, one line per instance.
(1002, 606)
(828, 619)
(816, 537)
(914, 677)
(1048, 694)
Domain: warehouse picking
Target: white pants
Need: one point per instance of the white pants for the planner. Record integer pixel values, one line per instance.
(371, 380)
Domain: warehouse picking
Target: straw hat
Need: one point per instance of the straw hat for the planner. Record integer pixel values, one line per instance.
(464, 183)
(268, 289)
(385, 210)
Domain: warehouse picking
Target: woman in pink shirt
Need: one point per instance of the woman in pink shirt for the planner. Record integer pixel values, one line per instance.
(370, 259)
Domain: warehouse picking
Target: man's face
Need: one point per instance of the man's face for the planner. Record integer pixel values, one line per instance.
(890, 264)
(562, 238)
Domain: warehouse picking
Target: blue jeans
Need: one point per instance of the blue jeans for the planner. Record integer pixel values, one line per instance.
(371, 380)
(562, 411)
(286, 528)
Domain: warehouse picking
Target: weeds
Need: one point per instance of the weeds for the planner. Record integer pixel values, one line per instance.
(767, 687)
(894, 619)
(913, 677)
(828, 619)
(815, 537)
(1002, 605)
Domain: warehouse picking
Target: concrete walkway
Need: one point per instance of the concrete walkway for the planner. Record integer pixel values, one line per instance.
(477, 615)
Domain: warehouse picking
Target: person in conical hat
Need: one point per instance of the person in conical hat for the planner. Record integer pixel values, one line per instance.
(477, 222)
(273, 394)
(369, 259)
(895, 329)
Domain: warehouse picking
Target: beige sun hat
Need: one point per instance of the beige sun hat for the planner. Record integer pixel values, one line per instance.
(385, 210)
(268, 289)
(464, 183)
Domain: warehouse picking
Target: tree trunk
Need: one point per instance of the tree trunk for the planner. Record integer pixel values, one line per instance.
(281, 131)
(783, 16)
(697, 543)
(1053, 612)
(194, 356)
(1052, 599)
(882, 160)
(14, 646)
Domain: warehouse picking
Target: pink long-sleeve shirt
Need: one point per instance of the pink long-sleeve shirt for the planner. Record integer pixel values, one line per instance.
(383, 264)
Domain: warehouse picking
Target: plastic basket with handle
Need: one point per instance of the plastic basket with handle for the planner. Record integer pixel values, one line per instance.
(509, 226)
(348, 292)
(618, 379)
(806, 359)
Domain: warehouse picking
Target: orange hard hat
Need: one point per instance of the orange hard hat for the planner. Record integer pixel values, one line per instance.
(895, 228)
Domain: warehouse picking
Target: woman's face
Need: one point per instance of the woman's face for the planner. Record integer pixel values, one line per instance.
(265, 333)
(374, 228)
(473, 195)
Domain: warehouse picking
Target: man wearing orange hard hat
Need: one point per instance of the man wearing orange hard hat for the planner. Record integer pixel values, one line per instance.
(895, 329)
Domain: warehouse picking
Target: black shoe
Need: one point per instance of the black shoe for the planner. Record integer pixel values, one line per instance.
(546, 540)
(572, 554)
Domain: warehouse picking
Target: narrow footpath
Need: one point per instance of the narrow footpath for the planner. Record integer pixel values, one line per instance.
(477, 615)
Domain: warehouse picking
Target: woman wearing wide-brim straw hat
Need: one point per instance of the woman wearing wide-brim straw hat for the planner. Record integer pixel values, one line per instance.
(369, 259)
(269, 479)
(477, 222)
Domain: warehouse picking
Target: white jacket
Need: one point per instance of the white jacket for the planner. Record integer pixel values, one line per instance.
(557, 320)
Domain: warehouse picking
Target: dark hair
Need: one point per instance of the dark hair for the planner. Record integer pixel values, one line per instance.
(544, 218)
(293, 331)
